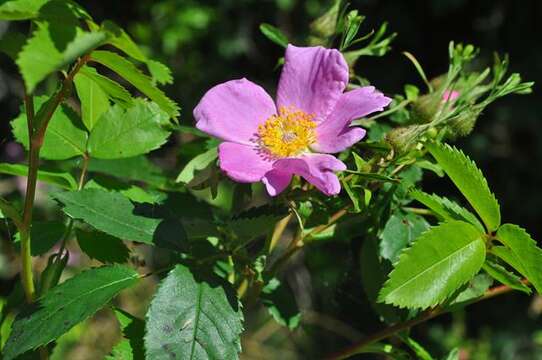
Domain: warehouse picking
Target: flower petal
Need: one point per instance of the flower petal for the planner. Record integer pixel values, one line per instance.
(318, 169)
(276, 181)
(335, 134)
(243, 163)
(233, 110)
(312, 80)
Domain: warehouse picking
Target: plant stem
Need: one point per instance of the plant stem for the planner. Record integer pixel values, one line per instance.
(394, 329)
(35, 140)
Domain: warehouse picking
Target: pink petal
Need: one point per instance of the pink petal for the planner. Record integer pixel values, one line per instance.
(318, 169)
(233, 110)
(242, 163)
(335, 134)
(312, 79)
(276, 181)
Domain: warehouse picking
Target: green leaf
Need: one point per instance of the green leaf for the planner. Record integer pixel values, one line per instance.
(281, 304)
(197, 164)
(20, 9)
(11, 43)
(527, 255)
(419, 350)
(274, 34)
(193, 317)
(505, 277)
(127, 133)
(114, 91)
(64, 139)
(137, 168)
(44, 54)
(8, 210)
(94, 101)
(470, 181)
(133, 330)
(475, 289)
(65, 306)
(438, 263)
(58, 178)
(399, 232)
(132, 192)
(142, 82)
(160, 73)
(446, 209)
(102, 247)
(43, 236)
(110, 212)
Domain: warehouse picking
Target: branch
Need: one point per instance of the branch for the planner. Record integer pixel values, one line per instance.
(392, 330)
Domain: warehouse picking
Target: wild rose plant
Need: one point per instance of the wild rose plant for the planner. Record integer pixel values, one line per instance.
(331, 159)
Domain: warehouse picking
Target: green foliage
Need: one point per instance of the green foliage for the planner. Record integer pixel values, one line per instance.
(114, 91)
(126, 133)
(505, 277)
(439, 262)
(140, 81)
(189, 174)
(59, 178)
(55, 44)
(133, 330)
(65, 306)
(274, 34)
(65, 137)
(528, 256)
(470, 181)
(280, 302)
(446, 209)
(399, 232)
(193, 316)
(43, 236)
(110, 212)
(20, 9)
(102, 247)
(94, 101)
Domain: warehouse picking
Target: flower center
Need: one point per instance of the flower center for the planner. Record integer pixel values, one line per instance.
(287, 134)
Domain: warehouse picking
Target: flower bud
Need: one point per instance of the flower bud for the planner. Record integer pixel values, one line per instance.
(403, 139)
(463, 124)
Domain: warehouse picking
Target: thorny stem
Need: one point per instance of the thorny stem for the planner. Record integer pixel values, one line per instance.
(35, 140)
(394, 329)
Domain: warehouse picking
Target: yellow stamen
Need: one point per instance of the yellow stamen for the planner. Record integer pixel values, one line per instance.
(287, 134)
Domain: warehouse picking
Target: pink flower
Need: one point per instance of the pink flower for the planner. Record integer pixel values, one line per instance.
(269, 142)
(450, 95)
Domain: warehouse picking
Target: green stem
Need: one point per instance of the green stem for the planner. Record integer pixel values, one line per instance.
(394, 329)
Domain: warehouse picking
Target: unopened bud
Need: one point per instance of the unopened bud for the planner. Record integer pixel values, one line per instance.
(463, 124)
(403, 139)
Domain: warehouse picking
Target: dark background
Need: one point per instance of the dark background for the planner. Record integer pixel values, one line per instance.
(207, 42)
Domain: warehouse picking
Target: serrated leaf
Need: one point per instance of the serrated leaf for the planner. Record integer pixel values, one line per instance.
(160, 73)
(113, 213)
(446, 209)
(43, 54)
(193, 316)
(102, 247)
(94, 101)
(473, 290)
(132, 192)
(20, 9)
(65, 306)
(43, 236)
(142, 82)
(64, 139)
(274, 34)
(470, 181)
(439, 262)
(399, 232)
(277, 297)
(62, 179)
(505, 277)
(127, 133)
(114, 91)
(527, 255)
